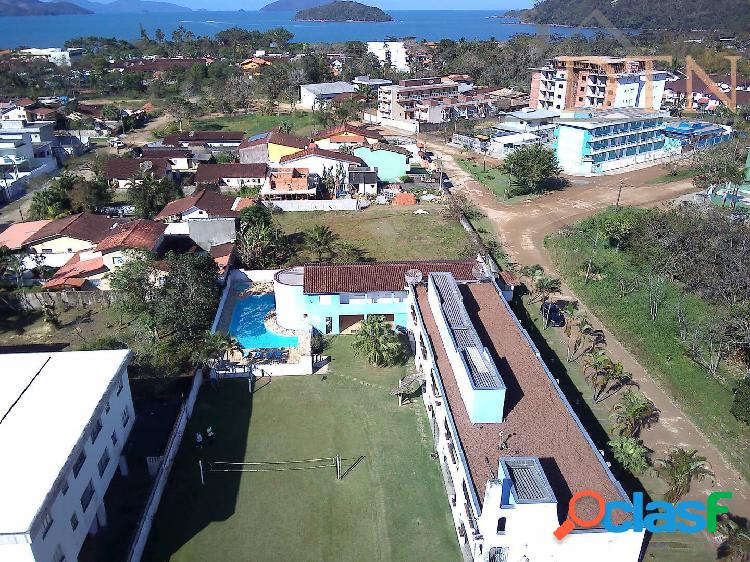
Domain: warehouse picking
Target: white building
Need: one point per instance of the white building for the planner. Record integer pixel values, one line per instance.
(540, 122)
(315, 96)
(390, 53)
(66, 419)
(59, 57)
(511, 449)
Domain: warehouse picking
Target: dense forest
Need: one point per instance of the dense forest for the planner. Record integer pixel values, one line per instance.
(343, 11)
(677, 15)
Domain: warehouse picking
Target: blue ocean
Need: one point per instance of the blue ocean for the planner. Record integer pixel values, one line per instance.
(53, 31)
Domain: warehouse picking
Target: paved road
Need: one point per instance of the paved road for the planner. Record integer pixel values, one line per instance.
(523, 227)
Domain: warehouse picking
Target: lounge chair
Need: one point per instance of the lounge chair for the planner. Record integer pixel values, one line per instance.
(278, 355)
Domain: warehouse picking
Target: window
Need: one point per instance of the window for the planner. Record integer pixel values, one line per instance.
(106, 407)
(74, 521)
(117, 260)
(103, 462)
(58, 556)
(114, 438)
(88, 493)
(96, 430)
(501, 525)
(125, 416)
(79, 464)
(46, 524)
(119, 386)
(64, 488)
(46, 250)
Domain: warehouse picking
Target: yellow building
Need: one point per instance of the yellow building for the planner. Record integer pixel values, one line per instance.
(270, 147)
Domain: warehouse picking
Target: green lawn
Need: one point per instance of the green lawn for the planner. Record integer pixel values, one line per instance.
(388, 232)
(495, 180)
(682, 174)
(303, 123)
(663, 547)
(392, 506)
(656, 344)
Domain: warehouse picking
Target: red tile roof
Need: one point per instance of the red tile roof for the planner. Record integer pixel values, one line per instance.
(222, 255)
(16, 234)
(210, 173)
(83, 226)
(127, 168)
(215, 204)
(75, 272)
(315, 151)
(537, 418)
(141, 234)
(275, 136)
(346, 128)
(378, 276)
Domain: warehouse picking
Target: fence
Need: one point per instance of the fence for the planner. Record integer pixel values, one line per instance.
(320, 205)
(64, 299)
(160, 482)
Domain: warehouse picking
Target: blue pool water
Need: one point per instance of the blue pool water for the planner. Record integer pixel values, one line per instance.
(247, 324)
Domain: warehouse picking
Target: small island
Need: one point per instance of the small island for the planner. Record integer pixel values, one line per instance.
(343, 11)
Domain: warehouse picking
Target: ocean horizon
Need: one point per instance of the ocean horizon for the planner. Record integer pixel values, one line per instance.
(53, 31)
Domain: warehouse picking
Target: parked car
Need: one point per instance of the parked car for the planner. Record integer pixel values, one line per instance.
(553, 315)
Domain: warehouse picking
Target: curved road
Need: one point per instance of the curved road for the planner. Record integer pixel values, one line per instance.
(522, 228)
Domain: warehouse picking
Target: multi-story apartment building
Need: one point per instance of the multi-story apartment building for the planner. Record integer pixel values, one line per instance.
(511, 449)
(431, 100)
(66, 419)
(596, 82)
(593, 142)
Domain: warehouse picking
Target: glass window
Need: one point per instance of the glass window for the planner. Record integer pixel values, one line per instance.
(88, 493)
(96, 430)
(119, 386)
(125, 416)
(46, 524)
(79, 464)
(103, 462)
(74, 521)
(65, 486)
(114, 438)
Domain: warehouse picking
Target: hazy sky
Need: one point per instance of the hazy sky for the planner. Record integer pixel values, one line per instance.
(385, 4)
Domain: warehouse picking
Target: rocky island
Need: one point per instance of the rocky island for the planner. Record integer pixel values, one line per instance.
(343, 11)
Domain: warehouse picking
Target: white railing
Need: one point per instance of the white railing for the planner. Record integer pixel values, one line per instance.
(140, 537)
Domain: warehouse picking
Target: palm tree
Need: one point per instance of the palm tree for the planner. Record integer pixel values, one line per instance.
(632, 413)
(679, 469)
(596, 361)
(735, 544)
(546, 285)
(611, 381)
(377, 342)
(321, 240)
(366, 91)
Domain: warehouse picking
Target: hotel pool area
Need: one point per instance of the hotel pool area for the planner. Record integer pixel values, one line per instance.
(248, 327)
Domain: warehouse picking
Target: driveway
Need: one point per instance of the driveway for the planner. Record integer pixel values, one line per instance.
(522, 228)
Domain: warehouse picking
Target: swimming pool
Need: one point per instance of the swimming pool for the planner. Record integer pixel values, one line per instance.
(248, 327)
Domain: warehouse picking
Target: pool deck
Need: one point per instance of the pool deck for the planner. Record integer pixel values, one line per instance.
(226, 313)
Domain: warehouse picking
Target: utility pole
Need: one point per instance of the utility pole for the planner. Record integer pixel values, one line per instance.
(619, 193)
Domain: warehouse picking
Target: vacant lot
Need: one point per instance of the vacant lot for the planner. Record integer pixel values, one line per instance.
(387, 233)
(302, 123)
(390, 506)
(495, 180)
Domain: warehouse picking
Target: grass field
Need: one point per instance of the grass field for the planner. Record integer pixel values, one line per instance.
(682, 174)
(388, 232)
(495, 180)
(392, 506)
(656, 344)
(303, 123)
(663, 547)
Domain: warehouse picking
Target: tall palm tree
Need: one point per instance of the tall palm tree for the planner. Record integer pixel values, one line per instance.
(377, 342)
(735, 544)
(611, 381)
(633, 412)
(321, 240)
(679, 469)
(546, 286)
(596, 360)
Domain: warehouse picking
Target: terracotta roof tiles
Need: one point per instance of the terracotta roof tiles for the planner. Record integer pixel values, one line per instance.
(141, 234)
(83, 226)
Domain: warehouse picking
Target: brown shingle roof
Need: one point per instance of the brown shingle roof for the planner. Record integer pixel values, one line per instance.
(315, 151)
(215, 204)
(141, 234)
(209, 173)
(127, 168)
(537, 419)
(83, 226)
(381, 276)
(346, 128)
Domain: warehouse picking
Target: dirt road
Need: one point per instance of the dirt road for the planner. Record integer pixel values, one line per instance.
(522, 228)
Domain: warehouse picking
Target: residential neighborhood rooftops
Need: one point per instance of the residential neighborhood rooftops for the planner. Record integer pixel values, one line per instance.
(83, 226)
(16, 234)
(165, 152)
(213, 203)
(210, 173)
(329, 88)
(337, 130)
(291, 180)
(529, 114)
(538, 418)
(315, 151)
(127, 168)
(378, 276)
(62, 388)
(204, 136)
(141, 234)
(74, 273)
(274, 136)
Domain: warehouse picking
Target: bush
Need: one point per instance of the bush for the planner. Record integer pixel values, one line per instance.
(407, 179)
(318, 343)
(741, 403)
